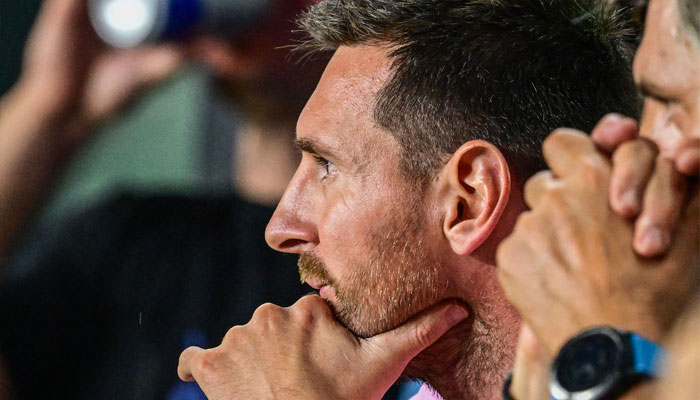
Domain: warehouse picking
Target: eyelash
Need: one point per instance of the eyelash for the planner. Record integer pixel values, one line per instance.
(325, 164)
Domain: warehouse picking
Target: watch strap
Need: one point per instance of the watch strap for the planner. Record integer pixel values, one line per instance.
(649, 357)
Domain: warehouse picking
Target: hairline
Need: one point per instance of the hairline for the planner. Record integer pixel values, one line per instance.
(317, 46)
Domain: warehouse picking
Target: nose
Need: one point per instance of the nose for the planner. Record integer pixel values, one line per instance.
(292, 228)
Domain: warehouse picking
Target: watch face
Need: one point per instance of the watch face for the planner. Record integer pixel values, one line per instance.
(588, 362)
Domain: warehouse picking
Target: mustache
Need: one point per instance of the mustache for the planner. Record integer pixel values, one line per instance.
(311, 266)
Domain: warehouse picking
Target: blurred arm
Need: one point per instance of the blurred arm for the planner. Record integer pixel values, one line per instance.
(29, 155)
(70, 82)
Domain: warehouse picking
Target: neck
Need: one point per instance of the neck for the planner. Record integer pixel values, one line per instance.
(265, 162)
(471, 360)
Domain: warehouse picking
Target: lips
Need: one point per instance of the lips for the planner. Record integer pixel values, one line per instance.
(325, 290)
(316, 283)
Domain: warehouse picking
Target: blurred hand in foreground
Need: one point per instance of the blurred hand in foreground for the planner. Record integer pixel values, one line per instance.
(632, 193)
(74, 74)
(570, 259)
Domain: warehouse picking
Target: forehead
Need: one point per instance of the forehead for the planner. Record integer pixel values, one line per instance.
(340, 111)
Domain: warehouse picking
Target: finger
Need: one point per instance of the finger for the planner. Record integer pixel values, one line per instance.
(531, 369)
(565, 149)
(154, 64)
(187, 360)
(633, 163)
(536, 187)
(122, 74)
(400, 345)
(613, 130)
(62, 13)
(688, 157)
(56, 18)
(663, 201)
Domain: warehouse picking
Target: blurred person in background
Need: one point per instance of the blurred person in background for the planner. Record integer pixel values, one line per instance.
(623, 224)
(133, 281)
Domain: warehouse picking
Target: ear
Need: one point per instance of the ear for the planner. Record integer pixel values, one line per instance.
(475, 188)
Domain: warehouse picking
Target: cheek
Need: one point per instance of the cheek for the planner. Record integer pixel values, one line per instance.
(345, 234)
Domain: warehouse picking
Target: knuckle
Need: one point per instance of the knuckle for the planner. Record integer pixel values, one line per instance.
(554, 140)
(233, 335)
(552, 197)
(310, 307)
(207, 365)
(185, 357)
(564, 137)
(268, 319)
(538, 182)
(526, 222)
(595, 171)
(310, 301)
(266, 311)
(422, 336)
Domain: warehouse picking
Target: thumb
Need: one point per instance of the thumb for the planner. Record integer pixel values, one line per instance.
(152, 64)
(402, 344)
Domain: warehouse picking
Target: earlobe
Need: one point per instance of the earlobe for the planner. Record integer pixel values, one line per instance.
(475, 190)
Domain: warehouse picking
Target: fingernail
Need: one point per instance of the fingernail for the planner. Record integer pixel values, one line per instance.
(455, 314)
(613, 118)
(655, 241)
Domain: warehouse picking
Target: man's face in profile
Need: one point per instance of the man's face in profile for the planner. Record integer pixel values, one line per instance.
(666, 68)
(361, 229)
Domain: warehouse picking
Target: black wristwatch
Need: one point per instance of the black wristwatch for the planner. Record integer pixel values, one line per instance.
(602, 363)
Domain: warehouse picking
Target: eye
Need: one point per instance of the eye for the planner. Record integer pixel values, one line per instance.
(327, 166)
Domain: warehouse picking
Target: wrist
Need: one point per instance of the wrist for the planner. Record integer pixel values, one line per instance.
(45, 101)
(56, 117)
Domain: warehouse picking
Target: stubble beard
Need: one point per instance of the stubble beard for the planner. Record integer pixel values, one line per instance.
(397, 280)
(400, 279)
(468, 362)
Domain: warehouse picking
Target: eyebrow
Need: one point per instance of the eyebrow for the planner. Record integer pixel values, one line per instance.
(313, 147)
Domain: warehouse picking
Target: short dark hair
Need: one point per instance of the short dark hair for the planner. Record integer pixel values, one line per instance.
(506, 71)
